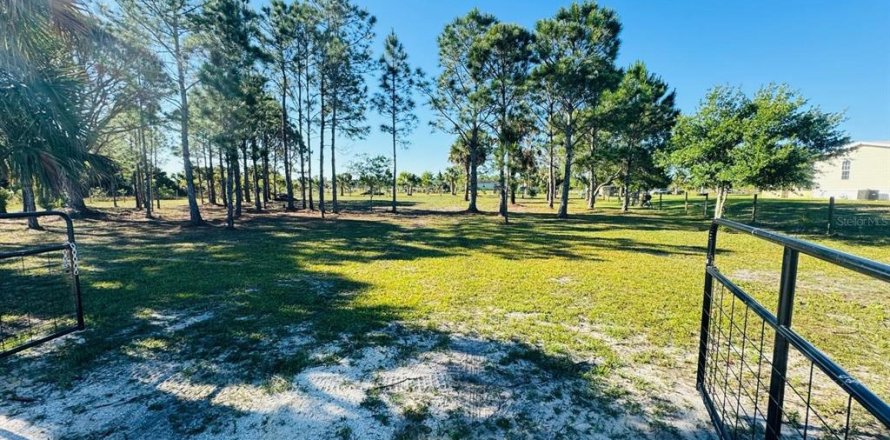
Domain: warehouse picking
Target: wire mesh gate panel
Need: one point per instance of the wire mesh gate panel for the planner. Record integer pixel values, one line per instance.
(39, 290)
(758, 378)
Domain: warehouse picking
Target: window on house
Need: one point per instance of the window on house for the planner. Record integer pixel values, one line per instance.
(845, 170)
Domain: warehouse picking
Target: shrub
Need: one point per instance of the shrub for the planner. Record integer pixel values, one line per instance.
(5, 197)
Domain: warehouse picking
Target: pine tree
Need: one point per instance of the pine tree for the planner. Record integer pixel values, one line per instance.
(645, 112)
(576, 51)
(228, 34)
(458, 96)
(280, 37)
(167, 25)
(501, 58)
(394, 101)
(345, 34)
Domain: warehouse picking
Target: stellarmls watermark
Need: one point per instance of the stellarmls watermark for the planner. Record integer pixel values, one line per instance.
(861, 221)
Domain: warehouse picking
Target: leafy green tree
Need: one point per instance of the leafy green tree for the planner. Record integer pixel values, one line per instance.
(426, 181)
(373, 172)
(501, 58)
(770, 141)
(645, 113)
(395, 99)
(458, 97)
(345, 181)
(576, 51)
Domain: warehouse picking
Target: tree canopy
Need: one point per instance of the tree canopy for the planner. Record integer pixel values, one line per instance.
(768, 141)
(93, 99)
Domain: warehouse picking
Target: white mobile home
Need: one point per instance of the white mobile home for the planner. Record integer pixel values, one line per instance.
(861, 172)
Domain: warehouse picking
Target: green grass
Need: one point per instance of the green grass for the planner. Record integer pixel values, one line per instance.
(540, 282)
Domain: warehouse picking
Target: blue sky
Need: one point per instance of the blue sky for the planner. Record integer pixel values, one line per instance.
(836, 53)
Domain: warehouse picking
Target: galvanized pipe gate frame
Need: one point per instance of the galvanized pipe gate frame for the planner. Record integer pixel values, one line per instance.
(69, 247)
(784, 339)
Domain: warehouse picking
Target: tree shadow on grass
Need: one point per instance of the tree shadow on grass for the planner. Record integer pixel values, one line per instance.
(231, 333)
(319, 367)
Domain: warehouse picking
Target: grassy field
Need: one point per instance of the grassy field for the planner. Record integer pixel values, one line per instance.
(605, 303)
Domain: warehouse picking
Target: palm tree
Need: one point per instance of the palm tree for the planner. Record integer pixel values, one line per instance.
(344, 181)
(452, 174)
(41, 138)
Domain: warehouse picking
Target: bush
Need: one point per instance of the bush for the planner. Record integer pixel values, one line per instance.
(165, 193)
(47, 200)
(98, 193)
(5, 197)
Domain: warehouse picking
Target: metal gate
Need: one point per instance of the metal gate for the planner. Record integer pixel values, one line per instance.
(39, 290)
(752, 394)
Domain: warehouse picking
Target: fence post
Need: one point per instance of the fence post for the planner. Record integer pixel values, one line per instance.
(780, 347)
(754, 211)
(659, 201)
(705, 212)
(72, 255)
(686, 202)
(706, 308)
(830, 215)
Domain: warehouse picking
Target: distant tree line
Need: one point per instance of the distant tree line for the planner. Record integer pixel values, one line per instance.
(249, 100)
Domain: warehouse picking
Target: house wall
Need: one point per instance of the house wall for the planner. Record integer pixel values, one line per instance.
(869, 170)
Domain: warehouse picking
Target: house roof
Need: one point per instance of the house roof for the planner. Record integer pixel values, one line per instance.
(857, 144)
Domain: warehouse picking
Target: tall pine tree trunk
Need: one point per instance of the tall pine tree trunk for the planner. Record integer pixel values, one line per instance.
(236, 172)
(114, 190)
(303, 175)
(393, 111)
(146, 171)
(136, 178)
(321, 150)
(194, 213)
(200, 188)
(304, 140)
(223, 172)
(288, 182)
(551, 180)
(334, 158)
(502, 182)
(567, 174)
(265, 153)
(210, 175)
(309, 142)
(230, 188)
(254, 155)
(154, 167)
(246, 171)
(137, 191)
